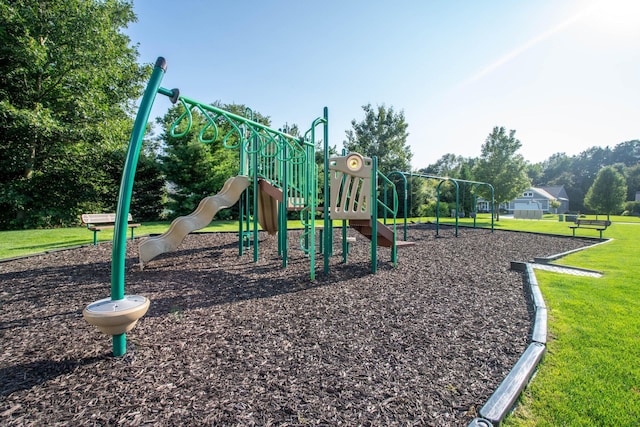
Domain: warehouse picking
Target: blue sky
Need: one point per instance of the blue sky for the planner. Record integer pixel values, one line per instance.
(565, 74)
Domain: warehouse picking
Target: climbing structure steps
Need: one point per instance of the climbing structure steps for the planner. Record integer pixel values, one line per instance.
(385, 234)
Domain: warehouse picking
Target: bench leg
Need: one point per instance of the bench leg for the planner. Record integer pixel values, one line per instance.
(131, 233)
(95, 237)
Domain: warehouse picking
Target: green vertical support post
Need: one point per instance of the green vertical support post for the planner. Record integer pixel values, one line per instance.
(255, 197)
(327, 220)
(404, 181)
(475, 207)
(492, 206)
(241, 205)
(311, 192)
(438, 209)
(345, 244)
(282, 229)
(386, 202)
(374, 215)
(118, 255)
(404, 206)
(457, 205)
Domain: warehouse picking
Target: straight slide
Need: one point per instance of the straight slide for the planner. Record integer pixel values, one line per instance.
(200, 218)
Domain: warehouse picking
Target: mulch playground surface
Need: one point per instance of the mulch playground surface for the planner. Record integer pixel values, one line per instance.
(230, 342)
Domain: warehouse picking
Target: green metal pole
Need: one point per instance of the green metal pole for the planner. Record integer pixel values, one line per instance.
(475, 206)
(374, 216)
(118, 255)
(404, 181)
(327, 220)
(255, 199)
(457, 204)
(438, 208)
(492, 206)
(282, 231)
(404, 206)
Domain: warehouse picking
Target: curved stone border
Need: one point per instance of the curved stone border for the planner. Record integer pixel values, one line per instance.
(502, 400)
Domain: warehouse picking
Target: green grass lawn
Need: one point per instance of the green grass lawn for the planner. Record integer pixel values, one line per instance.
(591, 372)
(26, 242)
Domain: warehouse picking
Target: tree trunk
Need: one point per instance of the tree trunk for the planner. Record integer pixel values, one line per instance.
(28, 172)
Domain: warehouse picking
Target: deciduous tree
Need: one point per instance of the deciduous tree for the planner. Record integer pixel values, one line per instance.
(68, 79)
(501, 166)
(608, 192)
(382, 133)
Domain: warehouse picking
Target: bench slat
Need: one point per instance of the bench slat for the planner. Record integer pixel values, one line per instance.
(101, 218)
(104, 221)
(593, 224)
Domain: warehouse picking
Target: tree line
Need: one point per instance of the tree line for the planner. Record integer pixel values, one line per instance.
(618, 166)
(69, 81)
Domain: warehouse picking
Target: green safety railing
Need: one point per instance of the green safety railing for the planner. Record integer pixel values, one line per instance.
(264, 153)
(383, 185)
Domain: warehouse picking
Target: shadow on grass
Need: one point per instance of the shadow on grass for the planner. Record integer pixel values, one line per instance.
(50, 246)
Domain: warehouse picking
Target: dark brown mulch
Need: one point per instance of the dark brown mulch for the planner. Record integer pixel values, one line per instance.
(231, 342)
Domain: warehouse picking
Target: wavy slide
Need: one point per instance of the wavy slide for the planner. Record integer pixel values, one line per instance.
(200, 218)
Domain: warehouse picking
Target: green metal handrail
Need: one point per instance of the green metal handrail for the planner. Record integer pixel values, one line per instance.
(387, 183)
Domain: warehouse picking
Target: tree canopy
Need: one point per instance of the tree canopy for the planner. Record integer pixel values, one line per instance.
(502, 166)
(383, 134)
(608, 192)
(68, 79)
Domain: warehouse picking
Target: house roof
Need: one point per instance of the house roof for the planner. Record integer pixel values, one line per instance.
(544, 193)
(556, 191)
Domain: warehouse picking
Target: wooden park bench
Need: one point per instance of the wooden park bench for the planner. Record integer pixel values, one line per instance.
(99, 222)
(596, 224)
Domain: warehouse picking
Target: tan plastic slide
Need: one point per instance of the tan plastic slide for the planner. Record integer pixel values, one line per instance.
(267, 212)
(200, 218)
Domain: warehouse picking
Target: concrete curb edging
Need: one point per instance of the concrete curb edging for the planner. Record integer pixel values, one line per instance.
(546, 260)
(502, 400)
(505, 396)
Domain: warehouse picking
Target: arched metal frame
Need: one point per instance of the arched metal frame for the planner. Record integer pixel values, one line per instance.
(441, 180)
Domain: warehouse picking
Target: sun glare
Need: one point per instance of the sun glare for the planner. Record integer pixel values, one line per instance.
(617, 18)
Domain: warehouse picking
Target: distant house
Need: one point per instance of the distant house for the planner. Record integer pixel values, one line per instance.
(539, 198)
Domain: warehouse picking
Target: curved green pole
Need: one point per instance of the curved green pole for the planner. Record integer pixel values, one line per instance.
(438, 203)
(404, 180)
(126, 188)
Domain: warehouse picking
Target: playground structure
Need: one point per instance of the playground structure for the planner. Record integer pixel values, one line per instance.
(200, 218)
(282, 172)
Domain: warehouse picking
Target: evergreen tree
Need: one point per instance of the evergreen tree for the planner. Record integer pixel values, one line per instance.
(195, 170)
